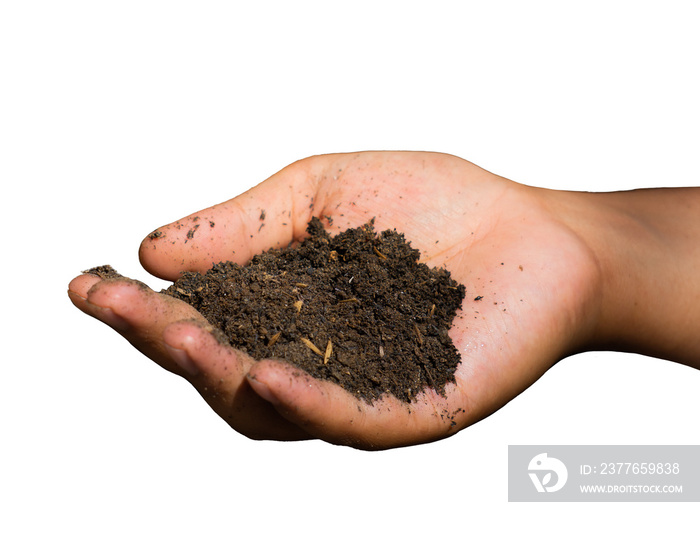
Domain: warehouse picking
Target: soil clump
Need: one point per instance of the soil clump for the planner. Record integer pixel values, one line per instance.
(357, 309)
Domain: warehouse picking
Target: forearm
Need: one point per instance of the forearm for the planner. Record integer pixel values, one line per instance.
(646, 244)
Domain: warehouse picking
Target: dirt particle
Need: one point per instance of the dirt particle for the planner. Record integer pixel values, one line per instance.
(190, 233)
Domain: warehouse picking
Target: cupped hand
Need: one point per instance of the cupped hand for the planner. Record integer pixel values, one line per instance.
(531, 293)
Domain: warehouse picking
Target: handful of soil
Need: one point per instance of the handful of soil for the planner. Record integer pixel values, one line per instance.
(357, 309)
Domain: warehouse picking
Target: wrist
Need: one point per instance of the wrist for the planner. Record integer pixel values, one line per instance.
(644, 244)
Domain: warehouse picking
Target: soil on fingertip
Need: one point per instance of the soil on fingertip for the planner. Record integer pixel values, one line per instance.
(105, 272)
(357, 309)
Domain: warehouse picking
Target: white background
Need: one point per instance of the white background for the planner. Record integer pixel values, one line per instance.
(107, 106)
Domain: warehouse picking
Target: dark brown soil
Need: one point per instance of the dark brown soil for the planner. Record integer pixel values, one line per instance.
(106, 272)
(357, 309)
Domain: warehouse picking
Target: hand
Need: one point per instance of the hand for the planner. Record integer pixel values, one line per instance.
(531, 283)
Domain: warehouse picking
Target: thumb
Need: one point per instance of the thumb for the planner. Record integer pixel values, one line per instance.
(272, 214)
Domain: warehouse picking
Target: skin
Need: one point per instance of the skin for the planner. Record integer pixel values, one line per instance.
(558, 273)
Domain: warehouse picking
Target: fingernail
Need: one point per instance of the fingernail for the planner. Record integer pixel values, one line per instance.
(263, 390)
(109, 317)
(182, 359)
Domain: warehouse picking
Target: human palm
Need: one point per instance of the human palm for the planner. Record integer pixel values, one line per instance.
(529, 281)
